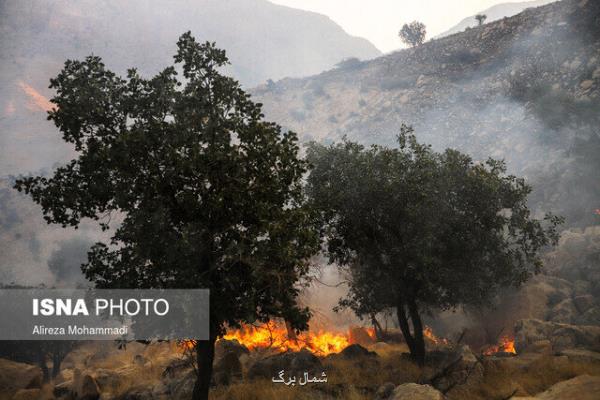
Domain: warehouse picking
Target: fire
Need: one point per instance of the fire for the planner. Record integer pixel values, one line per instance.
(506, 344)
(428, 333)
(274, 335)
(37, 101)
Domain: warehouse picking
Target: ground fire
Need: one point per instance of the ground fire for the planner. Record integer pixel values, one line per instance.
(274, 335)
(506, 344)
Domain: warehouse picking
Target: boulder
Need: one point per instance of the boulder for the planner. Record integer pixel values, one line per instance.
(564, 312)
(413, 391)
(64, 389)
(15, 376)
(584, 356)
(584, 303)
(457, 368)
(136, 393)
(227, 369)
(27, 394)
(139, 360)
(107, 380)
(89, 389)
(224, 346)
(590, 317)
(583, 387)
(356, 351)
(561, 336)
(293, 363)
(385, 391)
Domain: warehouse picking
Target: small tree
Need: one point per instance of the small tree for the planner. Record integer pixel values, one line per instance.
(418, 230)
(413, 34)
(209, 195)
(480, 18)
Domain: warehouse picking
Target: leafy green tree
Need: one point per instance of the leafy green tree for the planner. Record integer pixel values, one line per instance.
(207, 194)
(413, 34)
(419, 231)
(480, 18)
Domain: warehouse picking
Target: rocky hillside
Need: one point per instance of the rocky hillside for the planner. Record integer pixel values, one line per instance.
(525, 89)
(263, 40)
(493, 13)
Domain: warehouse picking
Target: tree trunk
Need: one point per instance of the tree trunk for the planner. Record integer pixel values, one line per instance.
(291, 333)
(205, 355)
(414, 340)
(43, 366)
(378, 330)
(413, 309)
(56, 361)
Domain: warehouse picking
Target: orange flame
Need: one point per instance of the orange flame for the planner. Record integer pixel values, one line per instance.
(506, 344)
(428, 333)
(274, 335)
(37, 101)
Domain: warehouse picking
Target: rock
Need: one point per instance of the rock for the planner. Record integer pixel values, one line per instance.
(590, 317)
(578, 355)
(356, 351)
(27, 394)
(17, 376)
(596, 73)
(564, 312)
(385, 391)
(539, 347)
(224, 346)
(181, 387)
(583, 387)
(561, 336)
(585, 85)
(89, 389)
(136, 393)
(107, 380)
(64, 375)
(176, 368)
(139, 359)
(413, 391)
(293, 363)
(584, 303)
(461, 368)
(227, 369)
(63, 389)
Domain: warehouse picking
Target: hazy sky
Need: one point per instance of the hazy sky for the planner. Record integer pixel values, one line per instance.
(380, 20)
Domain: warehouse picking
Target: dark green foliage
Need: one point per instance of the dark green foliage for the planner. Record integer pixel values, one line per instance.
(209, 195)
(421, 230)
(413, 34)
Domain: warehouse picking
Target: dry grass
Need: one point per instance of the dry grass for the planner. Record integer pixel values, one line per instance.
(504, 378)
(266, 390)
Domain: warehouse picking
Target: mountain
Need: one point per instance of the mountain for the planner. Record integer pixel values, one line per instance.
(525, 89)
(263, 41)
(494, 13)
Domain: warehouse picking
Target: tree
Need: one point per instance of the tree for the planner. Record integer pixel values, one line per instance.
(208, 194)
(418, 230)
(413, 34)
(480, 18)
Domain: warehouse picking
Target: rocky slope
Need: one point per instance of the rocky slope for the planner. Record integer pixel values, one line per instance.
(493, 13)
(263, 40)
(525, 89)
